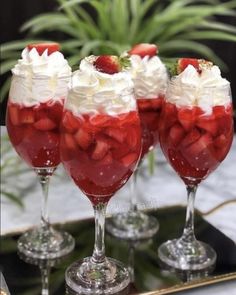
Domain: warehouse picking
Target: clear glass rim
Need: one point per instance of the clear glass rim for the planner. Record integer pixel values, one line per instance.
(42, 77)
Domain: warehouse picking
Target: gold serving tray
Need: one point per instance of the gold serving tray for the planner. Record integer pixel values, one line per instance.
(23, 277)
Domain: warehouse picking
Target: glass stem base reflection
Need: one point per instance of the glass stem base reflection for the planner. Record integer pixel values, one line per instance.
(45, 243)
(90, 278)
(133, 225)
(182, 255)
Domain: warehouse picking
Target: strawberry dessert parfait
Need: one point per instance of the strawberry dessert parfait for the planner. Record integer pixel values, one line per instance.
(150, 79)
(38, 89)
(196, 133)
(100, 147)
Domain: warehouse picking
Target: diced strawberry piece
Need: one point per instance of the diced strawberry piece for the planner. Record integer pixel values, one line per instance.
(45, 124)
(70, 141)
(176, 134)
(184, 62)
(108, 64)
(219, 111)
(41, 47)
(83, 138)
(100, 120)
(27, 116)
(208, 123)
(14, 115)
(129, 159)
(132, 137)
(116, 134)
(191, 137)
(144, 104)
(107, 160)
(200, 145)
(101, 149)
(127, 119)
(70, 122)
(220, 141)
(186, 118)
(169, 115)
(144, 49)
(157, 103)
(55, 111)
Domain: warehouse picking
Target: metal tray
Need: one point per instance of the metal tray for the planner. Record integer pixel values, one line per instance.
(23, 276)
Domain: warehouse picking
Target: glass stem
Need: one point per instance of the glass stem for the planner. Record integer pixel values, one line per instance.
(45, 271)
(99, 246)
(188, 233)
(133, 192)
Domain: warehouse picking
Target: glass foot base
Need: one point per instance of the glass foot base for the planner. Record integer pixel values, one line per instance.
(180, 255)
(133, 225)
(88, 278)
(45, 243)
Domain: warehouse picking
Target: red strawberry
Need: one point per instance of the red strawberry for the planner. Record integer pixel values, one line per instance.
(116, 134)
(144, 104)
(176, 134)
(208, 123)
(83, 138)
(132, 137)
(100, 150)
(191, 137)
(198, 146)
(186, 118)
(14, 115)
(27, 116)
(108, 64)
(45, 124)
(184, 62)
(129, 159)
(157, 103)
(70, 123)
(100, 120)
(70, 141)
(41, 47)
(144, 49)
(107, 160)
(220, 141)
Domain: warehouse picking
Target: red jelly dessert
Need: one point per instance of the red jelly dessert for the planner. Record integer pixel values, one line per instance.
(149, 112)
(194, 142)
(34, 132)
(100, 151)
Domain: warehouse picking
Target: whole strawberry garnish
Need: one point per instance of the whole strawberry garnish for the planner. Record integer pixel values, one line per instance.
(111, 64)
(182, 63)
(144, 49)
(41, 47)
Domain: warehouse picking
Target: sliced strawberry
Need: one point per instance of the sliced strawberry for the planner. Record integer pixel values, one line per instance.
(27, 116)
(132, 138)
(14, 114)
(176, 134)
(144, 49)
(191, 137)
(186, 118)
(45, 124)
(208, 123)
(100, 120)
(169, 115)
(108, 64)
(220, 141)
(41, 47)
(144, 104)
(184, 62)
(70, 122)
(129, 159)
(83, 138)
(219, 111)
(70, 141)
(157, 103)
(107, 160)
(198, 146)
(117, 134)
(101, 149)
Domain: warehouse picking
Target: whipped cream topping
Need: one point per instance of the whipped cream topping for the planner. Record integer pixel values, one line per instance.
(205, 90)
(149, 75)
(96, 92)
(39, 78)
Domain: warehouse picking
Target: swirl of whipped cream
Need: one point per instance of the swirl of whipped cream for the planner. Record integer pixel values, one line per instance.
(96, 92)
(149, 75)
(39, 78)
(205, 90)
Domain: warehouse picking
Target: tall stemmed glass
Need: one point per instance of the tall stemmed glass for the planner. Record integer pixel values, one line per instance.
(195, 140)
(33, 128)
(100, 152)
(135, 224)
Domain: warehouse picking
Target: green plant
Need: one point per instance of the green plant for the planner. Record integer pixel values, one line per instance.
(102, 26)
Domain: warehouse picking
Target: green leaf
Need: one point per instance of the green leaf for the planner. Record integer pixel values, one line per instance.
(7, 65)
(13, 198)
(211, 35)
(5, 89)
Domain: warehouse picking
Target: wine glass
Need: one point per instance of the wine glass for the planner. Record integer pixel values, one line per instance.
(33, 127)
(99, 151)
(135, 224)
(195, 140)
